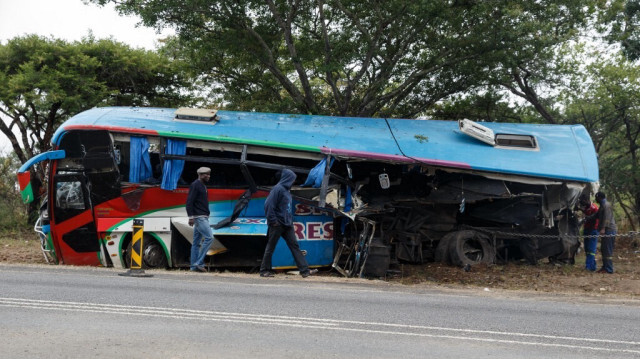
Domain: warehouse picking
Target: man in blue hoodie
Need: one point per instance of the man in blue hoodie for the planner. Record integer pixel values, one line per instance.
(277, 209)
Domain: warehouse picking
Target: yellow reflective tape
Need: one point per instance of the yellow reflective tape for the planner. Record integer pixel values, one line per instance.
(136, 247)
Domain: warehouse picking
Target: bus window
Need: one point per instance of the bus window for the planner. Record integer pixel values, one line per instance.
(225, 169)
(77, 144)
(69, 195)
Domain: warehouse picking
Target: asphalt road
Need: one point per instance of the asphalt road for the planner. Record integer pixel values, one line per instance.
(66, 312)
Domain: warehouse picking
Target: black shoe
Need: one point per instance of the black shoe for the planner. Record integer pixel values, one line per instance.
(200, 269)
(310, 272)
(267, 274)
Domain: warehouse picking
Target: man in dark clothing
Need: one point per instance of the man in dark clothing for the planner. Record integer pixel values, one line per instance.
(607, 229)
(277, 209)
(198, 212)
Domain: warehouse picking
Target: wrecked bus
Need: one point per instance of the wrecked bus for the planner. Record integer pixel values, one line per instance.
(370, 191)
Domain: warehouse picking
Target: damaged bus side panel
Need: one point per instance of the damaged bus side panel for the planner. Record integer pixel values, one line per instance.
(370, 192)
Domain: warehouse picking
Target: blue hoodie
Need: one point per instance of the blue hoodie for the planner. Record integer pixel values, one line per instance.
(277, 206)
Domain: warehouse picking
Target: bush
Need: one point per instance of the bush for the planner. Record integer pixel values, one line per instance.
(13, 213)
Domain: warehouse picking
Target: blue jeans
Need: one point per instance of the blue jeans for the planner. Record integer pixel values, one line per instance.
(202, 239)
(607, 243)
(590, 245)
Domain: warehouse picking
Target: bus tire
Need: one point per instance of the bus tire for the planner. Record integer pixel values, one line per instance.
(470, 248)
(153, 255)
(442, 249)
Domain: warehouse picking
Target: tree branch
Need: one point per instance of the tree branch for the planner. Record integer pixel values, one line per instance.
(529, 94)
(12, 138)
(269, 60)
(331, 81)
(285, 25)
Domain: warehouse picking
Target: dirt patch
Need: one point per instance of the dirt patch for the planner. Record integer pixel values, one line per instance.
(23, 248)
(544, 277)
(20, 247)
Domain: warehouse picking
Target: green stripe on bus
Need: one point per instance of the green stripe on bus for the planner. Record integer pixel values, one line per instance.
(162, 244)
(241, 141)
(50, 247)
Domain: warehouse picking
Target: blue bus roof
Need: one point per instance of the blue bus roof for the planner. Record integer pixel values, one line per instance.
(564, 152)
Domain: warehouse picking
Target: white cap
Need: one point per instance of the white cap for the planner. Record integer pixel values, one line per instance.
(202, 170)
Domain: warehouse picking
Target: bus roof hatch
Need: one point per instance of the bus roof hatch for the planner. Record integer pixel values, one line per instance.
(196, 114)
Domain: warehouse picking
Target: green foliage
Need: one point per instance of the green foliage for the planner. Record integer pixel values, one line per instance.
(492, 106)
(623, 20)
(608, 105)
(362, 58)
(46, 81)
(12, 211)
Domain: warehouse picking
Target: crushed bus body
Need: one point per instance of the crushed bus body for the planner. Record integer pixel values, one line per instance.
(370, 191)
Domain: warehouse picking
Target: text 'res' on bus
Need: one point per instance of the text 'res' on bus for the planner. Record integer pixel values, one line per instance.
(109, 166)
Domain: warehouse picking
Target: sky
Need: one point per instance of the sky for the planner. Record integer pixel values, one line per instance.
(70, 20)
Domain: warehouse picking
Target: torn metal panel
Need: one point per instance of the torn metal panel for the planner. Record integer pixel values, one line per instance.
(352, 256)
(471, 190)
(559, 197)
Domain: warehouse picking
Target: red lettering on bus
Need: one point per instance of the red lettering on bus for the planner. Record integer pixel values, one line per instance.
(328, 230)
(306, 210)
(302, 209)
(299, 229)
(314, 230)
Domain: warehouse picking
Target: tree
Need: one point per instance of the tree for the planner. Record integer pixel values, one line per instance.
(608, 104)
(12, 214)
(621, 24)
(45, 81)
(354, 57)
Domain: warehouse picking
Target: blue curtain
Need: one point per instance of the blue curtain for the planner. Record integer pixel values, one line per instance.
(139, 162)
(173, 168)
(314, 179)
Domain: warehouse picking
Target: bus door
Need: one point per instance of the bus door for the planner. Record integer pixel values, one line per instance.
(85, 178)
(75, 229)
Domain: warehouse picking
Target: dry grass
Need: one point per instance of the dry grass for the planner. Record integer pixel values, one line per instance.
(543, 277)
(20, 247)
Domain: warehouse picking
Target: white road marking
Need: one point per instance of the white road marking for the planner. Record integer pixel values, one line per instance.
(320, 323)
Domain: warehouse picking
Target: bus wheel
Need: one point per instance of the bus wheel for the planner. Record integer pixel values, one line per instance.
(153, 255)
(442, 249)
(470, 247)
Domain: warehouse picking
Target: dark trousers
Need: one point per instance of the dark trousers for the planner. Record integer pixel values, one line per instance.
(607, 243)
(273, 235)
